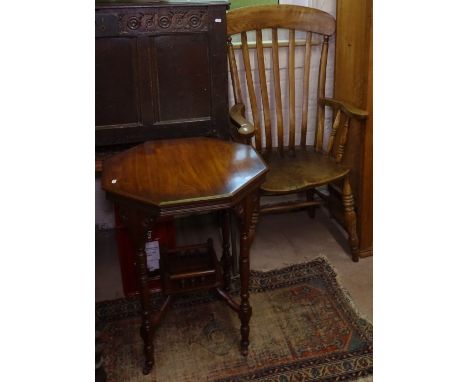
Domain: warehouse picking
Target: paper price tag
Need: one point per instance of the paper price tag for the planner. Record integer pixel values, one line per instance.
(152, 255)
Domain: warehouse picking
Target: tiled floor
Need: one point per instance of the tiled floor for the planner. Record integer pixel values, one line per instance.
(281, 240)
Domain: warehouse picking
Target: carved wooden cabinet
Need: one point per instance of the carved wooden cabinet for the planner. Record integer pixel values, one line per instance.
(161, 70)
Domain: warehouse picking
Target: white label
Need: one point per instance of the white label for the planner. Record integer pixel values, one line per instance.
(218, 20)
(152, 255)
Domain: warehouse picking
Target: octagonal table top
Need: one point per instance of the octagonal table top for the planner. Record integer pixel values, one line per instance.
(189, 171)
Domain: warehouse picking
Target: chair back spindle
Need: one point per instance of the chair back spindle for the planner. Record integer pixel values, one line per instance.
(234, 73)
(277, 86)
(292, 88)
(305, 88)
(263, 89)
(251, 89)
(291, 18)
(321, 95)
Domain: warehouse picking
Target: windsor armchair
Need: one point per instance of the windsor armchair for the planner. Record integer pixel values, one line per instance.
(302, 160)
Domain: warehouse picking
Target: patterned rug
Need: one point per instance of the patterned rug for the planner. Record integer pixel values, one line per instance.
(303, 328)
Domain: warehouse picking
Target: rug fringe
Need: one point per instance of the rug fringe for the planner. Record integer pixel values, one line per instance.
(332, 270)
(345, 291)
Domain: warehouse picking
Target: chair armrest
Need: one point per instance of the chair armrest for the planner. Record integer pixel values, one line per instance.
(348, 109)
(244, 128)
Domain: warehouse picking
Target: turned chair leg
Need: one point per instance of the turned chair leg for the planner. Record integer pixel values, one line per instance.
(350, 219)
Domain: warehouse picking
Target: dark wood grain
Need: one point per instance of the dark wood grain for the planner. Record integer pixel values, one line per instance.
(182, 176)
(190, 268)
(226, 258)
(245, 310)
(161, 71)
(138, 225)
(186, 87)
(194, 171)
(116, 69)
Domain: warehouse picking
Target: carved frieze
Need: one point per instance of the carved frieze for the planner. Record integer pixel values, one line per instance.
(164, 21)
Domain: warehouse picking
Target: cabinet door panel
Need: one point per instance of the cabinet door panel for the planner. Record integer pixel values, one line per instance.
(117, 93)
(181, 74)
(161, 72)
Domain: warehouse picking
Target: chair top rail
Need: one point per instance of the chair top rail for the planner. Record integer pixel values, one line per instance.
(280, 16)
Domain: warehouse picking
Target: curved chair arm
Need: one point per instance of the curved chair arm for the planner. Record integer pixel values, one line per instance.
(244, 129)
(348, 109)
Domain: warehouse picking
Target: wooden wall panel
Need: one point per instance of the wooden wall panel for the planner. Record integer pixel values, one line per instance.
(353, 83)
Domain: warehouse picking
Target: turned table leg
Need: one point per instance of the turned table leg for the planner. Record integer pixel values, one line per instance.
(226, 257)
(246, 231)
(146, 329)
(138, 226)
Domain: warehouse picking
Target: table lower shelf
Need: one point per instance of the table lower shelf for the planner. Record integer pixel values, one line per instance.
(190, 268)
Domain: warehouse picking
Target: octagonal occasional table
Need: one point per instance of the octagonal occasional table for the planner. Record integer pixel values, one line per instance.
(179, 177)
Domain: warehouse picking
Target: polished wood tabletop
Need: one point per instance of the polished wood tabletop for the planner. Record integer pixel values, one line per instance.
(178, 177)
(197, 171)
